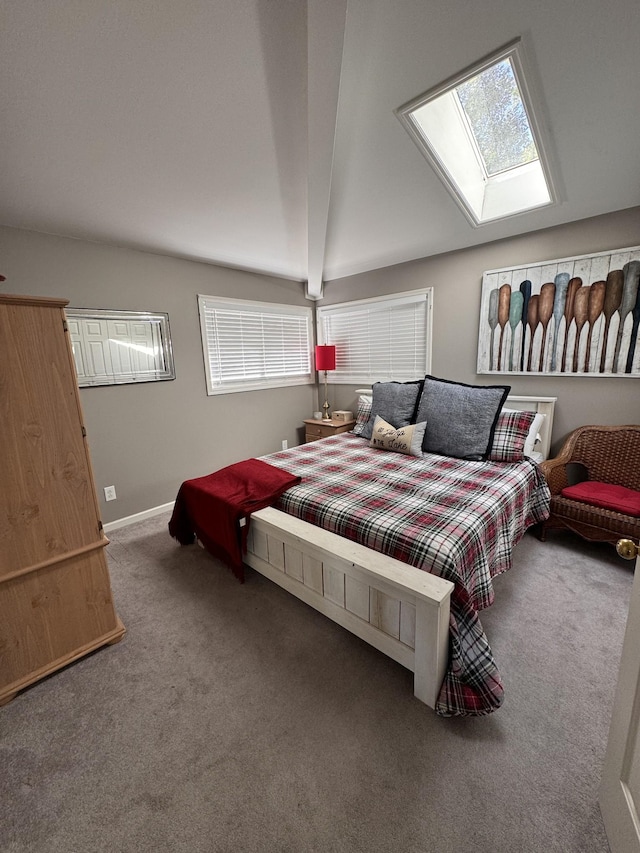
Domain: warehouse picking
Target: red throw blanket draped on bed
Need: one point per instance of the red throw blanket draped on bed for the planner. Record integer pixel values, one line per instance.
(212, 507)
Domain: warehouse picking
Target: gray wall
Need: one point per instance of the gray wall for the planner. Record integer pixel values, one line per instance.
(456, 278)
(146, 439)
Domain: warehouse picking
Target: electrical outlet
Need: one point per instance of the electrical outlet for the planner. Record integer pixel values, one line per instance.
(285, 444)
(109, 493)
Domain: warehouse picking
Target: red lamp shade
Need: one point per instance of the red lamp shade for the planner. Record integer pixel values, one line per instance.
(326, 358)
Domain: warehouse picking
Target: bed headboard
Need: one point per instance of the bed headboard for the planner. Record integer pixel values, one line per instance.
(543, 405)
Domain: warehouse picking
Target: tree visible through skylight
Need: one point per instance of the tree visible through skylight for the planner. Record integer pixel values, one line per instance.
(493, 106)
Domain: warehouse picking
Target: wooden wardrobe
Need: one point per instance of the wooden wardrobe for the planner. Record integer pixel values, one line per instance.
(55, 592)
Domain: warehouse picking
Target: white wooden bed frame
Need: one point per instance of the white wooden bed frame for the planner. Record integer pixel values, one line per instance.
(400, 610)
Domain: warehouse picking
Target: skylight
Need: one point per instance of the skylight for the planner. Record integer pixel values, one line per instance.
(479, 133)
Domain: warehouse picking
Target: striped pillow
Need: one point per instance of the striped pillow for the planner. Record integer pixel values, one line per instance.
(510, 435)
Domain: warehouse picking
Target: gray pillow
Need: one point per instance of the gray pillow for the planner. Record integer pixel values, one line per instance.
(461, 419)
(395, 402)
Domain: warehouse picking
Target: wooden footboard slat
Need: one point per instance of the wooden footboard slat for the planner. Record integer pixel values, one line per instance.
(333, 584)
(408, 624)
(400, 610)
(385, 613)
(293, 562)
(312, 573)
(357, 598)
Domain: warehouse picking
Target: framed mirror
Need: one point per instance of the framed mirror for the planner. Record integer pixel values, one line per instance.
(120, 347)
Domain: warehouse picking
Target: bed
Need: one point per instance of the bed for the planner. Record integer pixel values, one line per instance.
(408, 578)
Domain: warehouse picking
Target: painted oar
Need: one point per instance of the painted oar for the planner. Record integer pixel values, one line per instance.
(580, 315)
(612, 301)
(515, 318)
(545, 312)
(594, 310)
(504, 299)
(532, 323)
(493, 321)
(634, 334)
(631, 272)
(562, 284)
(525, 290)
(574, 284)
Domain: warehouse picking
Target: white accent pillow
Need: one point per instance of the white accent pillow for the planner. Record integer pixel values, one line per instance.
(406, 439)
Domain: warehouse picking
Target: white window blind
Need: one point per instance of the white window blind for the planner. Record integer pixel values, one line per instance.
(381, 339)
(251, 345)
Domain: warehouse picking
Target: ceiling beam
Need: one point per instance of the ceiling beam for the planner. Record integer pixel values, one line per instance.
(325, 40)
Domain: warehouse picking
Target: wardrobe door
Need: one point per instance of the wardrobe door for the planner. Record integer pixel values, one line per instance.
(55, 592)
(49, 507)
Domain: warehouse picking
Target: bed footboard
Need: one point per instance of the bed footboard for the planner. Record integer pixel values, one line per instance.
(401, 611)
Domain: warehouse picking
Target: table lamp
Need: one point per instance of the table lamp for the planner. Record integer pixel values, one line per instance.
(325, 360)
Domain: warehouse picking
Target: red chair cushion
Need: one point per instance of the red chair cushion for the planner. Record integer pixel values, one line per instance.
(605, 495)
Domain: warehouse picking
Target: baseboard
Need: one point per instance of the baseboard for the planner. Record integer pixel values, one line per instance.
(139, 516)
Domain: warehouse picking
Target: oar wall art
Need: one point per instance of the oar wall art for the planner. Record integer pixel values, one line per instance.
(570, 316)
(612, 303)
(559, 303)
(580, 317)
(631, 273)
(525, 290)
(569, 303)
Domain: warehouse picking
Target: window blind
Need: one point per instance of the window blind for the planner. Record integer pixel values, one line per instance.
(251, 345)
(379, 340)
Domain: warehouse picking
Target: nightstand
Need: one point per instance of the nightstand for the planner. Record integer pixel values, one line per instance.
(318, 428)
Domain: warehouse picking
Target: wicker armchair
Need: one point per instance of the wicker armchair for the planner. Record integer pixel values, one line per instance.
(608, 454)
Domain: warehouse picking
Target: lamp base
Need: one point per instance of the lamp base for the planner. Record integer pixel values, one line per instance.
(325, 406)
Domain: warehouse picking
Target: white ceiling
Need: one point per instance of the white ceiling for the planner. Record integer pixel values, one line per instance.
(261, 133)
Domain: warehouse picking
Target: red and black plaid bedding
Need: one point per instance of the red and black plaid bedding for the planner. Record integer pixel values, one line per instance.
(457, 519)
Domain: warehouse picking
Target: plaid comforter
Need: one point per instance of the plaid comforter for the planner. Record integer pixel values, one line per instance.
(459, 520)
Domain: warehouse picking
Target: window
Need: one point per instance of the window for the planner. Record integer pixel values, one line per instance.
(379, 339)
(480, 134)
(252, 345)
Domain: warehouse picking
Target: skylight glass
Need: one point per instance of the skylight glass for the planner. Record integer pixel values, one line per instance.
(493, 106)
(479, 133)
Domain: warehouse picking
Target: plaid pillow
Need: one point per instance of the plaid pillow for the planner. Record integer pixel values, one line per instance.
(510, 435)
(364, 410)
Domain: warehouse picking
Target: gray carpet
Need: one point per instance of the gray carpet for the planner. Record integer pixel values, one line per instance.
(235, 718)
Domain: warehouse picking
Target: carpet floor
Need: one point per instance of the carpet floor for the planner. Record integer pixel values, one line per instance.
(235, 718)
